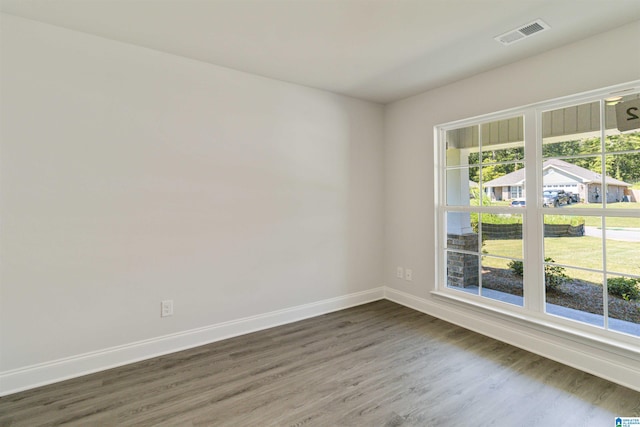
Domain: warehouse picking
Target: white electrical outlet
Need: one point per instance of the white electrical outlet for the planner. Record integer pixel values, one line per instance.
(399, 272)
(166, 308)
(408, 274)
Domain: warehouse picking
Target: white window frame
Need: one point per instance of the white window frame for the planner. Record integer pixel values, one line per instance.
(533, 309)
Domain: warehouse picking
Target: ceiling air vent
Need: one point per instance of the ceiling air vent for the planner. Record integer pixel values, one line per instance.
(523, 32)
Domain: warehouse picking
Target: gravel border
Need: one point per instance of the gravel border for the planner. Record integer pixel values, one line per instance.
(576, 294)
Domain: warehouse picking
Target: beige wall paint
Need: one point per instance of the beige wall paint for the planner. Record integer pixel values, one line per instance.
(130, 176)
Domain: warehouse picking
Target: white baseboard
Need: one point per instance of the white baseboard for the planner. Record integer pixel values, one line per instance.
(586, 355)
(58, 370)
(566, 349)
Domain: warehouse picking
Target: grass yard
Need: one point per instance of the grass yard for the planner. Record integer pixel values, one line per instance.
(586, 252)
(612, 222)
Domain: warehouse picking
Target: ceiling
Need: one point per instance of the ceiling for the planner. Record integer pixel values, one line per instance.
(378, 50)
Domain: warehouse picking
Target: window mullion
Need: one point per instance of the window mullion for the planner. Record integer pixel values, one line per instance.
(532, 231)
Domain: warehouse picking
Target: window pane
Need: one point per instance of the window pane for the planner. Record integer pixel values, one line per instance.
(616, 141)
(462, 231)
(624, 304)
(621, 170)
(502, 279)
(570, 241)
(462, 271)
(502, 234)
(571, 131)
(623, 244)
(503, 183)
(462, 236)
(574, 180)
(459, 188)
(503, 140)
(570, 295)
(461, 144)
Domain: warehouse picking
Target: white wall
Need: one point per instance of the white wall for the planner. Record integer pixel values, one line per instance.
(600, 61)
(130, 176)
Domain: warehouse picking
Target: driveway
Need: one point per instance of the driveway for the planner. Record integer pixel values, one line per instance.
(622, 234)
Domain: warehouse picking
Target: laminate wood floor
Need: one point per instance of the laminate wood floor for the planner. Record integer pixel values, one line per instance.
(378, 364)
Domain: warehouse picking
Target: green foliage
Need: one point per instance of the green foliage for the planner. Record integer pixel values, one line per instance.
(625, 287)
(564, 219)
(624, 167)
(493, 171)
(554, 275)
(488, 218)
(479, 198)
(517, 267)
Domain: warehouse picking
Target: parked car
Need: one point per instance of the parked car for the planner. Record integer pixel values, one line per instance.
(556, 198)
(518, 203)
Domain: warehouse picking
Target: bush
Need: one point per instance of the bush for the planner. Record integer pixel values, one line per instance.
(517, 267)
(564, 219)
(624, 287)
(554, 275)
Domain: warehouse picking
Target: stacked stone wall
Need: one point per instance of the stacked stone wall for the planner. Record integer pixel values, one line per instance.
(514, 231)
(462, 269)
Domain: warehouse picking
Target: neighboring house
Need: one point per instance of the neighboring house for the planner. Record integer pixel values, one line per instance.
(559, 175)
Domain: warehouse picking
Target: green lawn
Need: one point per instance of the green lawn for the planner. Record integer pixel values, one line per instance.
(612, 222)
(583, 252)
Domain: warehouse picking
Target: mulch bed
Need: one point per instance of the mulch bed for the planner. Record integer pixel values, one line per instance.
(576, 294)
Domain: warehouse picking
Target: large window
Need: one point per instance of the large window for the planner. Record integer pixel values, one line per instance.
(477, 199)
(539, 211)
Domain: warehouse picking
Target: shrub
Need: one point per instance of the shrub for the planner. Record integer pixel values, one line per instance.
(564, 219)
(554, 275)
(517, 267)
(624, 287)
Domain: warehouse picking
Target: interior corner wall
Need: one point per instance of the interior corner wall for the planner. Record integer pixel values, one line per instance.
(603, 60)
(131, 176)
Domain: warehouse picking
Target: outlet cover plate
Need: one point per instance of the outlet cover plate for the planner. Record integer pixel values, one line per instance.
(166, 308)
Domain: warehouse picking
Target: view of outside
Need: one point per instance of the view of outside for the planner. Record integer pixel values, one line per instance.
(598, 270)
(591, 214)
(477, 155)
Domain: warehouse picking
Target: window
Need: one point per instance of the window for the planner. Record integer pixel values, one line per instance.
(481, 156)
(539, 212)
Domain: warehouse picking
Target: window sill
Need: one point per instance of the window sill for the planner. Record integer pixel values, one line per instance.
(548, 324)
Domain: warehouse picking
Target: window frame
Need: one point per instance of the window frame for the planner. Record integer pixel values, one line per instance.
(533, 309)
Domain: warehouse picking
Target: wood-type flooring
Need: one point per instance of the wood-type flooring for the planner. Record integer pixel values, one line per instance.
(379, 364)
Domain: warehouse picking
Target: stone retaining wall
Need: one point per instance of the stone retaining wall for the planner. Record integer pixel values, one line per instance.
(514, 231)
(502, 231)
(563, 230)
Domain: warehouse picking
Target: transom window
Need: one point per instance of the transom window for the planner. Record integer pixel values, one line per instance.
(539, 211)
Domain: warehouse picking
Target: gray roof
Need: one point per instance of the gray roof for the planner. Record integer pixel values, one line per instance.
(582, 174)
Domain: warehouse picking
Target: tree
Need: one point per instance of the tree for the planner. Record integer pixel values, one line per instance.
(622, 159)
